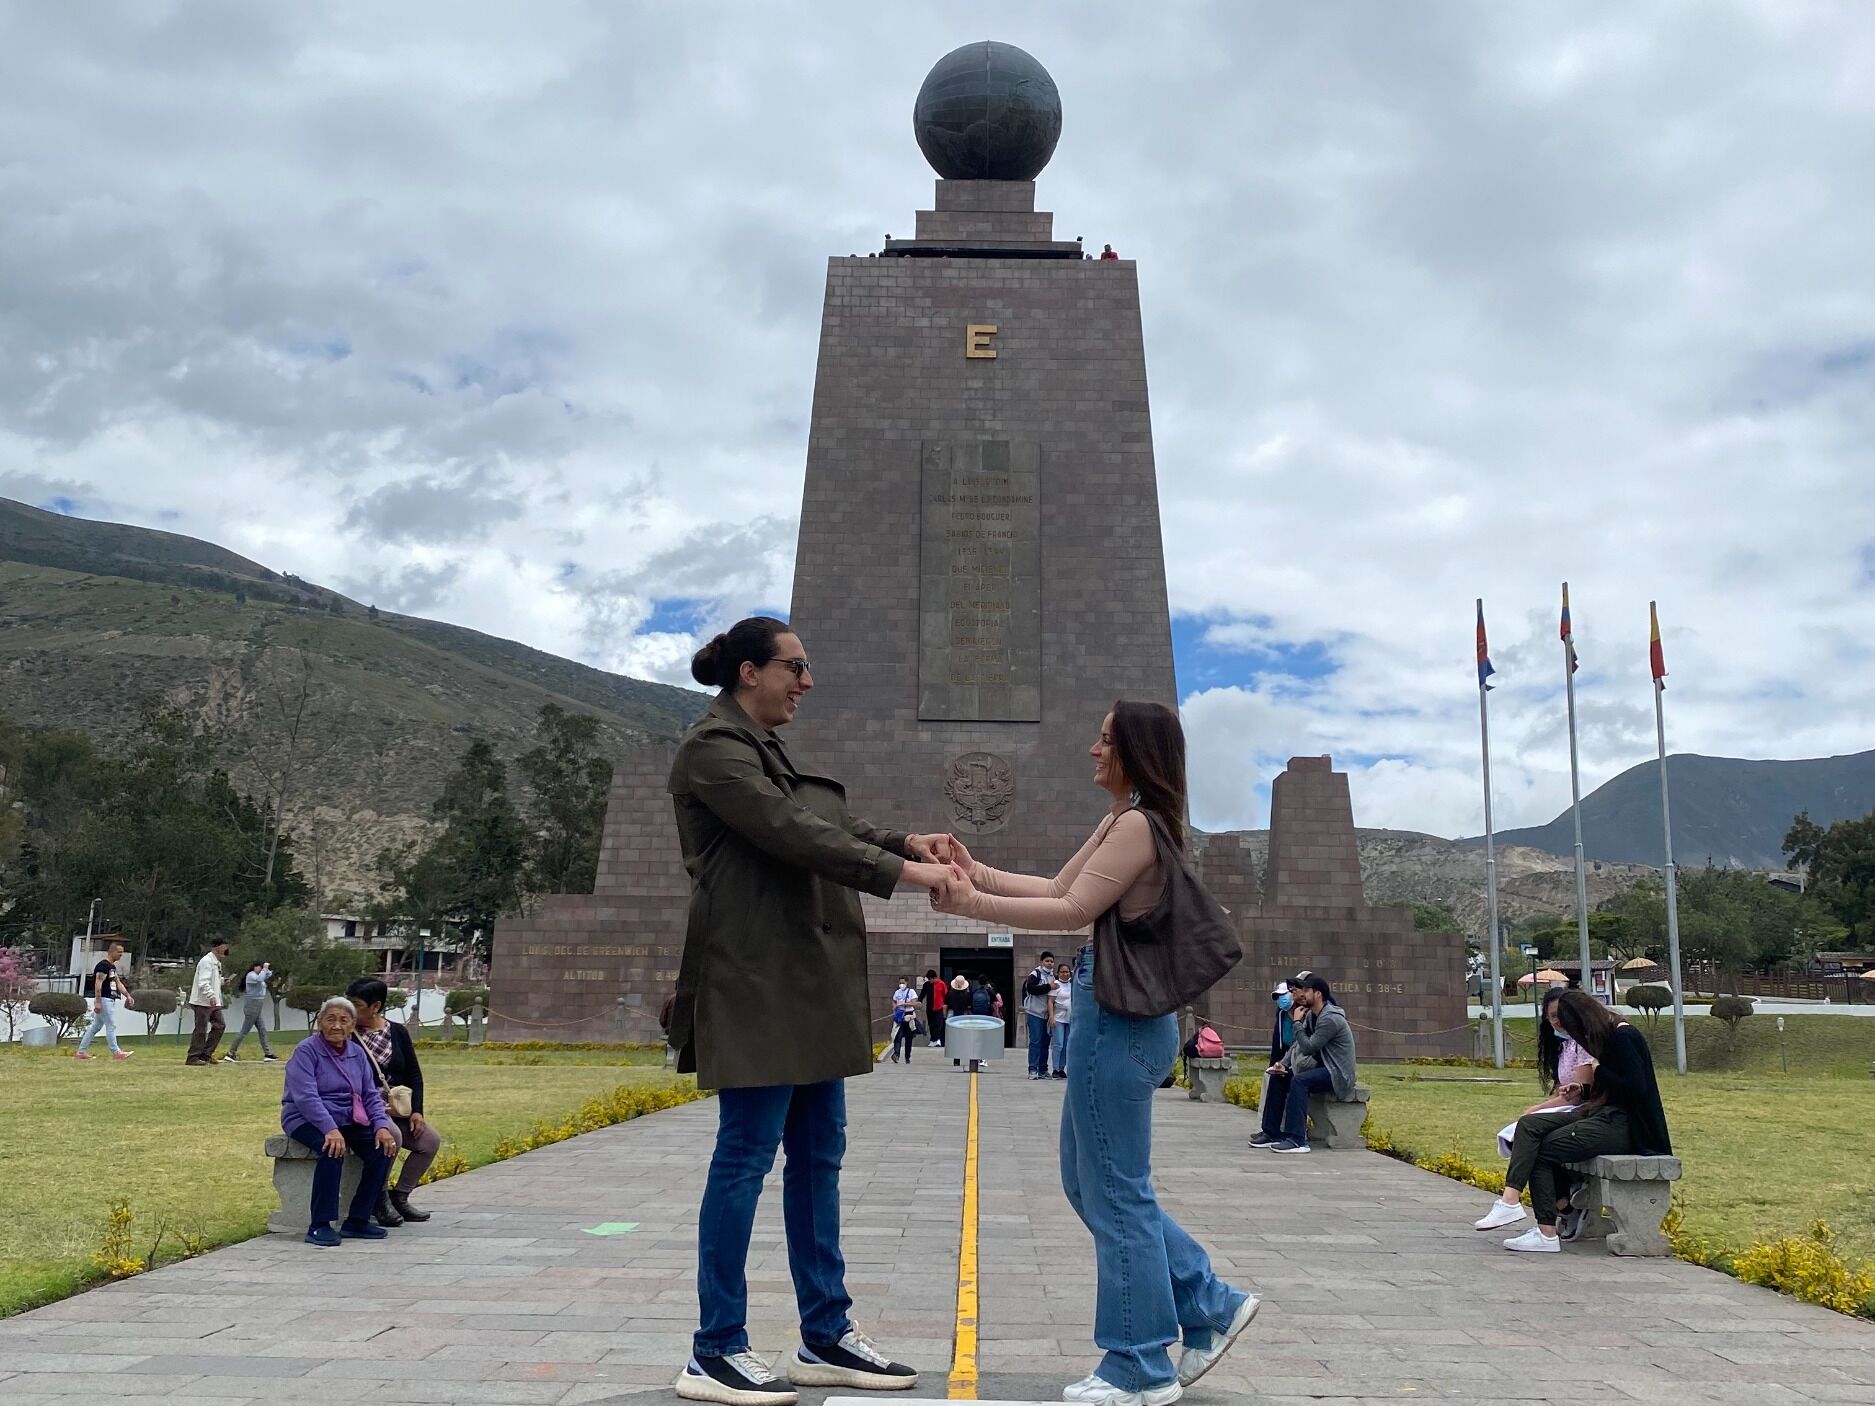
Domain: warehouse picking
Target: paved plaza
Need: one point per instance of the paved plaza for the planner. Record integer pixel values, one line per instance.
(1376, 1286)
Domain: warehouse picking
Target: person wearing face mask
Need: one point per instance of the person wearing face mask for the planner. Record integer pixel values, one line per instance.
(1320, 1061)
(1282, 1036)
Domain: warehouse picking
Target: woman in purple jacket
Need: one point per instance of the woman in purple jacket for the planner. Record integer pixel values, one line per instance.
(332, 1104)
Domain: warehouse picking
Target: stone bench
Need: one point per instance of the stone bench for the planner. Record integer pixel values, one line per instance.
(1629, 1196)
(293, 1177)
(1336, 1122)
(1206, 1077)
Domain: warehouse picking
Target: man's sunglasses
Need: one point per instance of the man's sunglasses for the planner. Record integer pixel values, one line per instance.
(799, 666)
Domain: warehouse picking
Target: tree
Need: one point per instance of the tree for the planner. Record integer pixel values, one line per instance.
(1731, 1010)
(1649, 1000)
(155, 1002)
(1427, 917)
(1839, 867)
(324, 970)
(567, 782)
(16, 988)
(285, 939)
(471, 873)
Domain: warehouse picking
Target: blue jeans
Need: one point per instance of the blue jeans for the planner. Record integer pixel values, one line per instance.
(1038, 1045)
(1286, 1110)
(103, 1018)
(1153, 1281)
(808, 1121)
(1058, 1048)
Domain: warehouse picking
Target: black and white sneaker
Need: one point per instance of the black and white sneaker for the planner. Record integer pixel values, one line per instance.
(737, 1379)
(853, 1361)
(1262, 1139)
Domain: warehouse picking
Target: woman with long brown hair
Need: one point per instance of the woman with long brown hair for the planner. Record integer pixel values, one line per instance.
(1622, 1114)
(1155, 1285)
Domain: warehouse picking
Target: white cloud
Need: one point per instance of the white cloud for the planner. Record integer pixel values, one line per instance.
(515, 316)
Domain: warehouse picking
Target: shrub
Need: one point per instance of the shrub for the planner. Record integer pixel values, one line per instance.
(1648, 999)
(1245, 1093)
(396, 998)
(16, 987)
(155, 1003)
(1731, 1010)
(63, 1008)
(1808, 1268)
(463, 998)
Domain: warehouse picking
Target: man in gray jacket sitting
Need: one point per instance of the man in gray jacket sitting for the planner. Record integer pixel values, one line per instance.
(1320, 1061)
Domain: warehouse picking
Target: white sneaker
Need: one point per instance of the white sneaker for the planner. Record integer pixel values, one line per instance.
(739, 1379)
(1097, 1391)
(1498, 1216)
(1534, 1241)
(1194, 1362)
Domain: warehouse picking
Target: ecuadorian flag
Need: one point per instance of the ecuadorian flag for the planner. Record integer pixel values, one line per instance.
(1654, 657)
(1568, 633)
(1484, 652)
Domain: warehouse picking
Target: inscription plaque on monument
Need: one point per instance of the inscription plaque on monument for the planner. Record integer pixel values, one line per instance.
(980, 582)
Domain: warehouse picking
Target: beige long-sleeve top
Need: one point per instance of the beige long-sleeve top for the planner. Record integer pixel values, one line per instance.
(1118, 864)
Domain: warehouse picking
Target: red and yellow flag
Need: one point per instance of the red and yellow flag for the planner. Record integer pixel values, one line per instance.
(1654, 657)
(1568, 632)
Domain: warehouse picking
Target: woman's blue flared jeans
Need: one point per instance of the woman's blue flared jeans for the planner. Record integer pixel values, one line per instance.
(1155, 1283)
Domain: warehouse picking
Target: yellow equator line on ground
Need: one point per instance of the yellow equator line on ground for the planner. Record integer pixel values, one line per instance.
(963, 1382)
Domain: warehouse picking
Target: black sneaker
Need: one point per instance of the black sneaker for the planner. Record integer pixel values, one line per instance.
(853, 1361)
(361, 1230)
(738, 1379)
(1262, 1140)
(1569, 1224)
(1288, 1145)
(323, 1236)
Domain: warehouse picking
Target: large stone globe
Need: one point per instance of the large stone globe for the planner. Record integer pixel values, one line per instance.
(987, 112)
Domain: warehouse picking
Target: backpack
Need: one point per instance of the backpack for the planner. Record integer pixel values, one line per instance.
(979, 1001)
(1209, 1043)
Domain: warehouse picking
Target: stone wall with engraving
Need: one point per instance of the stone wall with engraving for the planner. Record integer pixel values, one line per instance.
(980, 582)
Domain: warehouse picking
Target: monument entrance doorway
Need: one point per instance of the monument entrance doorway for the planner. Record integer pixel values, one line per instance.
(999, 965)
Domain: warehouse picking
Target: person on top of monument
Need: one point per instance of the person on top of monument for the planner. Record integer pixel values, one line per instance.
(1154, 1284)
(1106, 252)
(776, 866)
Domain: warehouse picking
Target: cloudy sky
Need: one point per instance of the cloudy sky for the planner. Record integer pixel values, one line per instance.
(507, 315)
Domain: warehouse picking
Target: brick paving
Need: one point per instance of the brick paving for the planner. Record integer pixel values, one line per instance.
(1376, 1286)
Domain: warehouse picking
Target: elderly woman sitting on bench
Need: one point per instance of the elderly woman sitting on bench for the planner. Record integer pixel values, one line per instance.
(332, 1104)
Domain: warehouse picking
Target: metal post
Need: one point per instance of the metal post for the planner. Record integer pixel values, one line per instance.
(1575, 798)
(1673, 906)
(416, 1006)
(1492, 937)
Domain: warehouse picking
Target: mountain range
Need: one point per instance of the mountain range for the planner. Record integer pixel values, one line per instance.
(95, 617)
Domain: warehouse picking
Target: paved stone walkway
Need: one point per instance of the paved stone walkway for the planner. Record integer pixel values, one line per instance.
(1376, 1286)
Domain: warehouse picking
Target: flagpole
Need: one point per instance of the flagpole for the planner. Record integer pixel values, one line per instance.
(1575, 794)
(1492, 940)
(1666, 822)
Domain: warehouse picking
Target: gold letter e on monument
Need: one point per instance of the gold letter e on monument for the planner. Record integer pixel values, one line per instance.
(977, 340)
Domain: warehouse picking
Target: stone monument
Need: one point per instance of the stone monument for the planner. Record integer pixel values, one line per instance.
(979, 575)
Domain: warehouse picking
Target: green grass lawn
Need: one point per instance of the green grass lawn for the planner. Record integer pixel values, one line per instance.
(1765, 1152)
(185, 1144)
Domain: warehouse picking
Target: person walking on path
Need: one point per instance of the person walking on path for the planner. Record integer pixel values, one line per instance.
(393, 1056)
(107, 989)
(776, 866)
(253, 1012)
(1036, 989)
(1154, 1284)
(1622, 1115)
(205, 1001)
(959, 998)
(1320, 1061)
(933, 994)
(904, 1018)
(331, 1103)
(1061, 1003)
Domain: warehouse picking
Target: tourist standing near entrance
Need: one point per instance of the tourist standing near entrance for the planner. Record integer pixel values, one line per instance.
(904, 1018)
(1154, 1283)
(205, 1001)
(1037, 986)
(933, 993)
(107, 989)
(253, 1011)
(1062, 1001)
(776, 867)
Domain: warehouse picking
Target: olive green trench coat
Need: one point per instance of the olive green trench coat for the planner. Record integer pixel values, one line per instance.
(772, 989)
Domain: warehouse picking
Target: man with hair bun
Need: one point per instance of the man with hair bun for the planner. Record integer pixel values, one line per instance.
(776, 867)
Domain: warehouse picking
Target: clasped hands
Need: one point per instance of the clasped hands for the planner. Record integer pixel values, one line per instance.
(942, 865)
